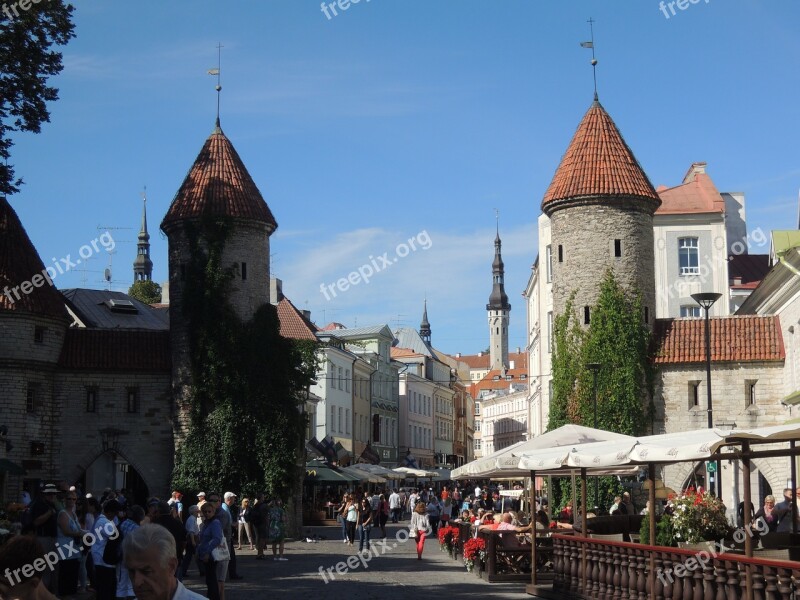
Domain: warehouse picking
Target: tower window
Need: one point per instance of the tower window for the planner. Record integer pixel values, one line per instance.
(38, 335)
(133, 400)
(31, 399)
(91, 400)
(617, 248)
(548, 253)
(560, 253)
(586, 315)
(750, 392)
(690, 310)
(694, 394)
(244, 271)
(646, 315)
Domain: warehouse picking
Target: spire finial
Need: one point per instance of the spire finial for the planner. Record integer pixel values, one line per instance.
(218, 72)
(590, 44)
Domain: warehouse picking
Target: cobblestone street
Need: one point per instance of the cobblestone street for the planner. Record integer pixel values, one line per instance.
(394, 573)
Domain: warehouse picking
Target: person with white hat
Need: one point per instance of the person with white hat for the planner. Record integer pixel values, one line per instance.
(201, 499)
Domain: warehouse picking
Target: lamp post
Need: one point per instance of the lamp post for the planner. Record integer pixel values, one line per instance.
(594, 368)
(706, 300)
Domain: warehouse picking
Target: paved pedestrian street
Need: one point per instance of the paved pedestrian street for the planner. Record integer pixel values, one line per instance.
(393, 572)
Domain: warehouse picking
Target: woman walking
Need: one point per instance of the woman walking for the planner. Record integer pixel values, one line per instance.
(277, 528)
(419, 527)
(351, 518)
(341, 517)
(69, 535)
(244, 524)
(364, 524)
(211, 537)
(383, 514)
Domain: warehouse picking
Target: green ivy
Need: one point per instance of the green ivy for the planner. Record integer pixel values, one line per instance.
(248, 383)
(145, 291)
(619, 340)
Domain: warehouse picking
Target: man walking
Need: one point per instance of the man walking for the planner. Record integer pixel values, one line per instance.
(394, 505)
(229, 506)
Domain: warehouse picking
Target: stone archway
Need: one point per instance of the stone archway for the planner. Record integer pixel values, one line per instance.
(96, 469)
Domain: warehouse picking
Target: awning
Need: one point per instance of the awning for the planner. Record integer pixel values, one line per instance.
(791, 399)
(321, 473)
(378, 470)
(363, 475)
(10, 467)
(419, 473)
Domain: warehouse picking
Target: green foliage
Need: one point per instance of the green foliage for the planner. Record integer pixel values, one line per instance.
(665, 532)
(146, 291)
(27, 61)
(246, 426)
(619, 340)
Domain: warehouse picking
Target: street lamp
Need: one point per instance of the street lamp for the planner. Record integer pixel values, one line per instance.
(594, 368)
(706, 300)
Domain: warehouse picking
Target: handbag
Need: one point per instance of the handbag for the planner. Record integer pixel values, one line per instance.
(221, 552)
(412, 532)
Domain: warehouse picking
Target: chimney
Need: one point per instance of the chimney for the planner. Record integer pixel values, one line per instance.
(737, 280)
(480, 353)
(519, 349)
(696, 169)
(306, 315)
(458, 354)
(275, 290)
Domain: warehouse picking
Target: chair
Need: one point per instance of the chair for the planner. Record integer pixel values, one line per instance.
(611, 537)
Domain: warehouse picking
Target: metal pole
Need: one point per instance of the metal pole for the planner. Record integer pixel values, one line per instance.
(718, 474)
(748, 541)
(594, 403)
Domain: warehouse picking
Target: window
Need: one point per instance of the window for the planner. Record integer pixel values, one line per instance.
(477, 444)
(548, 257)
(690, 310)
(340, 427)
(341, 379)
(38, 335)
(586, 315)
(646, 314)
(549, 332)
(477, 409)
(133, 400)
(347, 380)
(332, 426)
(694, 394)
(347, 421)
(688, 255)
(477, 426)
(91, 400)
(244, 271)
(617, 248)
(750, 392)
(32, 398)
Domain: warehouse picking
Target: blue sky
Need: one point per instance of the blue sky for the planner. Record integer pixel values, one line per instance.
(398, 118)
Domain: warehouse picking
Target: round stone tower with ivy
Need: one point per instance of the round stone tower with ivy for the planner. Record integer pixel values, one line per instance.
(601, 206)
(217, 206)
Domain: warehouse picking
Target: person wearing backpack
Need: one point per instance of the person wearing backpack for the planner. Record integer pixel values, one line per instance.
(133, 521)
(105, 573)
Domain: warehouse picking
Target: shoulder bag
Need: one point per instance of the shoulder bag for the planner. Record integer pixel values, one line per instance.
(221, 552)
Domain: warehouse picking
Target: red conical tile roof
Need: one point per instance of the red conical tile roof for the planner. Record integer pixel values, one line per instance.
(598, 162)
(219, 185)
(21, 267)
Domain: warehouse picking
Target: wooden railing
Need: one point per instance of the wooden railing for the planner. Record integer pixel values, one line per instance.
(591, 568)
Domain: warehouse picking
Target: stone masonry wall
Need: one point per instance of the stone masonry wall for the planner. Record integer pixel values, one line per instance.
(586, 233)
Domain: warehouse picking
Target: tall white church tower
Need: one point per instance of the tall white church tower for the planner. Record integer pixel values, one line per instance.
(498, 311)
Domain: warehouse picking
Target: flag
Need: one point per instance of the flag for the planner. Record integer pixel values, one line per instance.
(213, 71)
(410, 460)
(370, 456)
(583, 45)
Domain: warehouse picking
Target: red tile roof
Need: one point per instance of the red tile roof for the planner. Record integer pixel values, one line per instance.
(598, 162)
(116, 350)
(19, 263)
(489, 382)
(475, 361)
(218, 185)
(293, 325)
(697, 196)
(740, 338)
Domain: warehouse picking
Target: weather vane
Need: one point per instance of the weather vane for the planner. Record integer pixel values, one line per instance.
(590, 44)
(217, 72)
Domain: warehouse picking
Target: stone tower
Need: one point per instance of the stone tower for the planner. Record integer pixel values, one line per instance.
(33, 326)
(217, 186)
(143, 266)
(601, 205)
(498, 311)
(425, 326)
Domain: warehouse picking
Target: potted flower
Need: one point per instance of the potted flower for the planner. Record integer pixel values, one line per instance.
(448, 538)
(691, 519)
(474, 549)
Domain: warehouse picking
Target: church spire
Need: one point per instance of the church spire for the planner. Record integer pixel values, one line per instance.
(425, 326)
(143, 266)
(498, 311)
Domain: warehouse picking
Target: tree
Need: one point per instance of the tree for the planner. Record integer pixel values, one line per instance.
(27, 60)
(146, 291)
